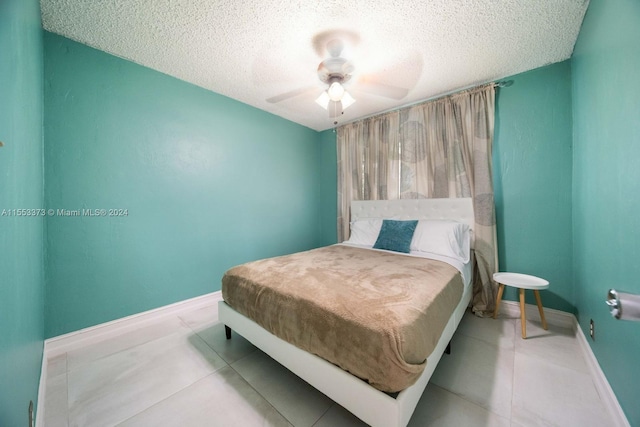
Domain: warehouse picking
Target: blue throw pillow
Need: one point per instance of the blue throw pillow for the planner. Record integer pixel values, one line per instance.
(396, 235)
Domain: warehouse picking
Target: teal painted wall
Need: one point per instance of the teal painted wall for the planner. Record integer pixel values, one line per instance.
(21, 238)
(606, 189)
(328, 188)
(208, 183)
(532, 162)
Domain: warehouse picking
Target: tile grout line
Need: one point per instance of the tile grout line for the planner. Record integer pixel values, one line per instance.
(199, 337)
(146, 324)
(238, 373)
(202, 338)
(323, 414)
(465, 398)
(156, 321)
(168, 397)
(215, 372)
(477, 405)
(260, 394)
(550, 333)
(483, 340)
(499, 348)
(212, 349)
(182, 321)
(142, 343)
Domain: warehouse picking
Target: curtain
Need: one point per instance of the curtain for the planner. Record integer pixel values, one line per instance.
(366, 166)
(436, 149)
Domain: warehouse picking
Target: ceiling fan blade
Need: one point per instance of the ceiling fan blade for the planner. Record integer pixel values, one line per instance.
(290, 94)
(376, 87)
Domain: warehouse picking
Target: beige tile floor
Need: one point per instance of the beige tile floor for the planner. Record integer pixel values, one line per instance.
(181, 371)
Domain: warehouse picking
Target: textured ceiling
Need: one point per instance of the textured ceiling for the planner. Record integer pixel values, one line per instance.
(254, 50)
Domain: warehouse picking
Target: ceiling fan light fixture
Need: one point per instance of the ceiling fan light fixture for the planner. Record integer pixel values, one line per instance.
(335, 91)
(347, 100)
(335, 106)
(323, 100)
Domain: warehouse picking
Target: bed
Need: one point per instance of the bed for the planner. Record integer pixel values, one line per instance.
(371, 399)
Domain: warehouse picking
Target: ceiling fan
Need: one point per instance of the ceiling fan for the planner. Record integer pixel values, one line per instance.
(335, 71)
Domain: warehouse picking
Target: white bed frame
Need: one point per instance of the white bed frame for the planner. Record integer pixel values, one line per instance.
(372, 406)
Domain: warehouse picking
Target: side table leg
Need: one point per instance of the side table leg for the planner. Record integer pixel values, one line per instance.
(497, 309)
(544, 321)
(500, 290)
(523, 317)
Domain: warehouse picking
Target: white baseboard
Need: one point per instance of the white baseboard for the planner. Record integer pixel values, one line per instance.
(608, 397)
(73, 340)
(569, 321)
(41, 391)
(67, 342)
(554, 317)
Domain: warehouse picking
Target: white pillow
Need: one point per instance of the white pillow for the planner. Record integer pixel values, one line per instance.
(448, 238)
(365, 232)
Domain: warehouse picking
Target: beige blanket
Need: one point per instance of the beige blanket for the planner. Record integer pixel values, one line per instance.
(375, 314)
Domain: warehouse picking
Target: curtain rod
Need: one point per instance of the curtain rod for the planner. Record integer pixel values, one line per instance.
(500, 84)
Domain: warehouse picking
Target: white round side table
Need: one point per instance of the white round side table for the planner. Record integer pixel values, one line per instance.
(521, 281)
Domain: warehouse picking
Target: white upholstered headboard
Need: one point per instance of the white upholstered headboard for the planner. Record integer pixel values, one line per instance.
(460, 210)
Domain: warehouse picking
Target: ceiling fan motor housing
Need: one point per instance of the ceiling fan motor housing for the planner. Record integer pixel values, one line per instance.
(335, 70)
